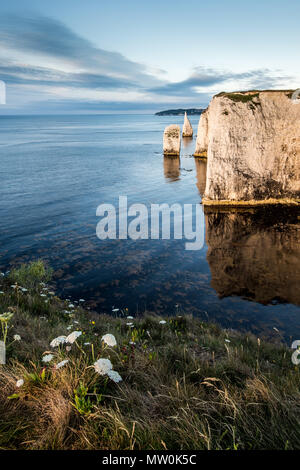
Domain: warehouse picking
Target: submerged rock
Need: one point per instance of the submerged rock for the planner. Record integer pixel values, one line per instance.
(171, 142)
(253, 147)
(187, 130)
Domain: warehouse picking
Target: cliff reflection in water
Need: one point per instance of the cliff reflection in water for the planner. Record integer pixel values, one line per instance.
(201, 165)
(187, 143)
(255, 253)
(172, 168)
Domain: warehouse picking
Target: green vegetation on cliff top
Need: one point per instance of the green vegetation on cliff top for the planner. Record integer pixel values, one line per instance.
(246, 96)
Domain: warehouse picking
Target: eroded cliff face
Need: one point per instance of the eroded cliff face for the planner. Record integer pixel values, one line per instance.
(253, 147)
(255, 253)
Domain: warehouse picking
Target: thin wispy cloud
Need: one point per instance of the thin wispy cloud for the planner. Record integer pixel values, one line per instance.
(28, 75)
(41, 56)
(207, 78)
(39, 35)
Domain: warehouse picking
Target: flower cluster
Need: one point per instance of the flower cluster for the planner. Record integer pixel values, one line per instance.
(109, 339)
(71, 338)
(104, 367)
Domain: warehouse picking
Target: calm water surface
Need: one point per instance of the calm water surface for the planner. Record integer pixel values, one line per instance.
(56, 170)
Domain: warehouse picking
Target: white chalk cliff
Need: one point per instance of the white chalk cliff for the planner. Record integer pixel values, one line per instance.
(171, 143)
(252, 141)
(187, 130)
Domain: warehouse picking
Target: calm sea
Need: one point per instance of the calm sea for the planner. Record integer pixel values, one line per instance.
(56, 170)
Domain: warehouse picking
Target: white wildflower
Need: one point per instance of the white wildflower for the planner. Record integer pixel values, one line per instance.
(57, 341)
(115, 309)
(129, 318)
(130, 324)
(19, 383)
(109, 339)
(81, 300)
(43, 295)
(115, 376)
(17, 337)
(227, 340)
(61, 364)
(47, 358)
(73, 336)
(71, 305)
(86, 344)
(162, 322)
(103, 366)
(1, 292)
(24, 289)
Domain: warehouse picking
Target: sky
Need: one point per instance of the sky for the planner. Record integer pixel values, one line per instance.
(70, 56)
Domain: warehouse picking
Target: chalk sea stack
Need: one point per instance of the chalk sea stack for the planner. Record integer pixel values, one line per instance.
(171, 144)
(187, 130)
(253, 148)
(202, 136)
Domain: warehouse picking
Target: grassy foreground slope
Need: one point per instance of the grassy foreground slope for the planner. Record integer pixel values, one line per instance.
(185, 384)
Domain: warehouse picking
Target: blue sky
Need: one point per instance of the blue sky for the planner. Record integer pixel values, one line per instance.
(71, 56)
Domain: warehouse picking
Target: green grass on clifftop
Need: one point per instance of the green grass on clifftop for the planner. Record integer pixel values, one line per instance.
(240, 97)
(185, 384)
(246, 96)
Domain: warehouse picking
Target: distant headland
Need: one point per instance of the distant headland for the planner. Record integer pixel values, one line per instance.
(179, 112)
